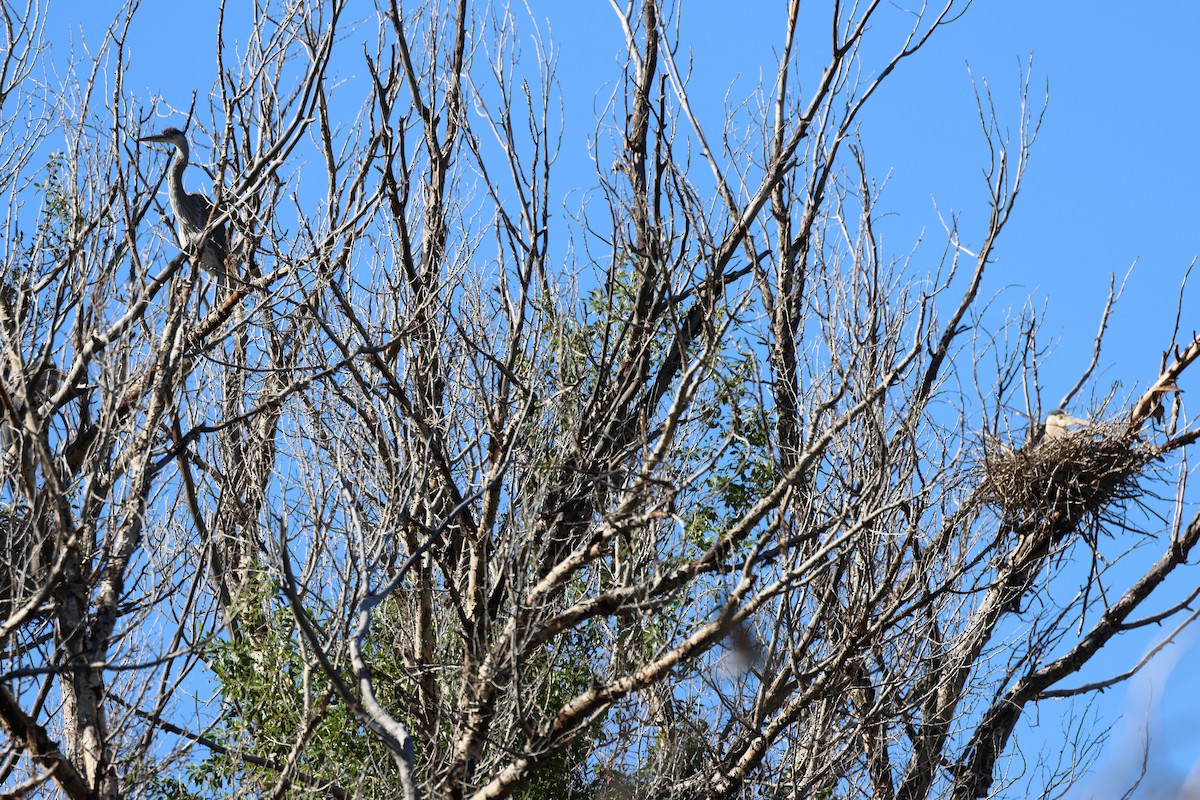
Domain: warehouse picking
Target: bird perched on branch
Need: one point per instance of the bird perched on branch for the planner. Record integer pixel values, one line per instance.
(1059, 422)
(194, 213)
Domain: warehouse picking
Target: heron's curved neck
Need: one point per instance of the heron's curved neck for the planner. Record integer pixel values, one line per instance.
(175, 176)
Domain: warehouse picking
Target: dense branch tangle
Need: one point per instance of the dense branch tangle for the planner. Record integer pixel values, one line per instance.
(455, 495)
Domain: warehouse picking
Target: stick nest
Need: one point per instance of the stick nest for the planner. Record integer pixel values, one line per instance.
(1074, 477)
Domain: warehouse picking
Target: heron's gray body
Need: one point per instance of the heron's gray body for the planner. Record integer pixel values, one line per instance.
(193, 211)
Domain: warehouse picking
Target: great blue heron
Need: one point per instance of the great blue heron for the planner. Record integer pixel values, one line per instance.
(1059, 422)
(193, 211)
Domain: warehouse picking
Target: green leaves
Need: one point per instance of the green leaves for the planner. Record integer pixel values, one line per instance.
(273, 695)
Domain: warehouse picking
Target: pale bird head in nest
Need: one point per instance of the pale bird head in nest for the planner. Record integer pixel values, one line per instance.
(1059, 422)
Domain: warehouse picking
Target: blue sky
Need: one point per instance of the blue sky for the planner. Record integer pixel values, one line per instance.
(1110, 184)
(1108, 187)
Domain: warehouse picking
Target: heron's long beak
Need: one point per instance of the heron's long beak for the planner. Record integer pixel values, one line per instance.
(1067, 419)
